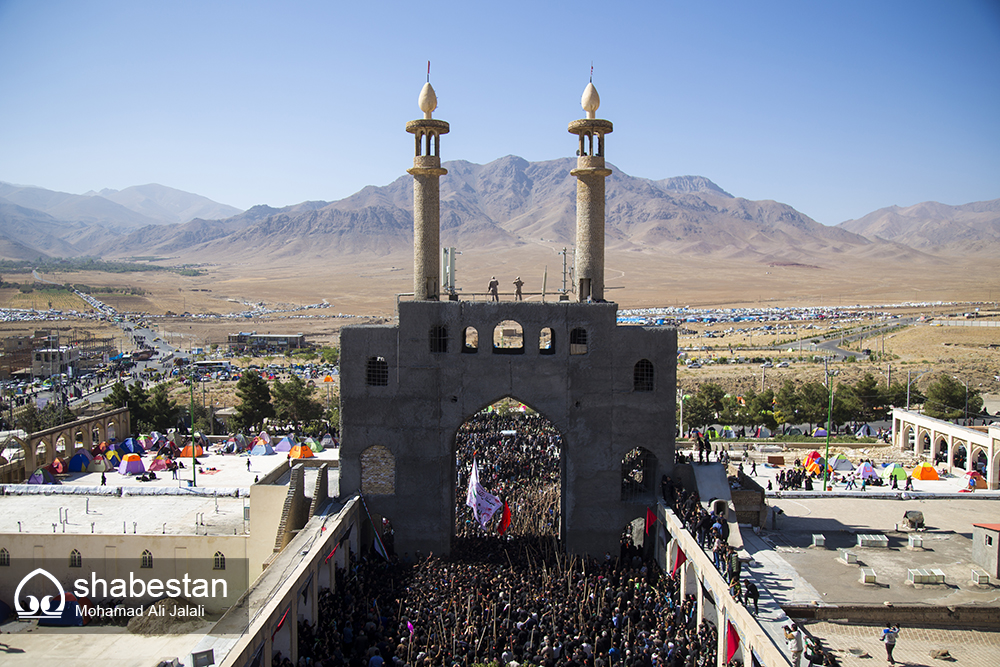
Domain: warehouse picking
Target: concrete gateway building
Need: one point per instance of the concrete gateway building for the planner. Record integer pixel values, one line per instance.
(407, 389)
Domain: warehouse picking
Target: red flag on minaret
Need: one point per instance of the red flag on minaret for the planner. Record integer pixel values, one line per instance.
(429, 71)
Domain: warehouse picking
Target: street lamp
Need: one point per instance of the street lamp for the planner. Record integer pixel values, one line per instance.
(829, 419)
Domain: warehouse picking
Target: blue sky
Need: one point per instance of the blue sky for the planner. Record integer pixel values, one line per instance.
(836, 108)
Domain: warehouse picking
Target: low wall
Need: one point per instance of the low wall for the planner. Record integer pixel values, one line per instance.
(905, 615)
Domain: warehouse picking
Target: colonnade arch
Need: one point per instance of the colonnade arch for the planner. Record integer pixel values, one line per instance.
(41, 448)
(956, 449)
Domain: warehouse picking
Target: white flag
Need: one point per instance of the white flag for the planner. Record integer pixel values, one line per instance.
(483, 503)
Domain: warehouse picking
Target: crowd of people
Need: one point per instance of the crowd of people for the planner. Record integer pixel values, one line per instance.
(516, 600)
(518, 459)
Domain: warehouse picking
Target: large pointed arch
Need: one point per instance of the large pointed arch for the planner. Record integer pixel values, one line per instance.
(520, 456)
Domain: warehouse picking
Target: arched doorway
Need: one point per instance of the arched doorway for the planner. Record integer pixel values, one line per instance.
(959, 456)
(518, 454)
(980, 462)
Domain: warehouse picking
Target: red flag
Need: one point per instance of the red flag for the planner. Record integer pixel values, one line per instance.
(505, 519)
(732, 641)
(650, 519)
(680, 561)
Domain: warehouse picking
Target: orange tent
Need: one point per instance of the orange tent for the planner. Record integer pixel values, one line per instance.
(924, 471)
(301, 452)
(186, 452)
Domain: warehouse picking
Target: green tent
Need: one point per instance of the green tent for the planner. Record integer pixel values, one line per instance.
(313, 445)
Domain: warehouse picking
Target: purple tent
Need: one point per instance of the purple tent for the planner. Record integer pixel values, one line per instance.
(131, 465)
(129, 446)
(285, 445)
(42, 476)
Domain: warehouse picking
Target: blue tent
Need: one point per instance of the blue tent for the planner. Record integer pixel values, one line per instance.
(80, 462)
(72, 613)
(129, 446)
(261, 449)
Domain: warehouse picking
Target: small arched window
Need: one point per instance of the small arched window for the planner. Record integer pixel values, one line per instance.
(220, 561)
(438, 339)
(4, 557)
(642, 376)
(377, 372)
(578, 341)
(75, 559)
(546, 341)
(508, 338)
(471, 345)
(147, 559)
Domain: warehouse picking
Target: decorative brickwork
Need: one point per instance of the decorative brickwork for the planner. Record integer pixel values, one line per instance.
(378, 471)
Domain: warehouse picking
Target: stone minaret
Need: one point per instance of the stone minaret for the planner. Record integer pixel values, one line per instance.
(590, 173)
(426, 197)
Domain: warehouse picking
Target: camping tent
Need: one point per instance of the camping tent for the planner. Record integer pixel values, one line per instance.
(811, 456)
(186, 452)
(99, 464)
(72, 613)
(200, 439)
(57, 467)
(893, 470)
(865, 431)
(924, 471)
(865, 471)
(815, 466)
(129, 446)
(727, 432)
(286, 444)
(841, 463)
(795, 430)
(131, 465)
(80, 462)
(113, 457)
(980, 482)
(301, 452)
(329, 441)
(313, 445)
(762, 432)
(42, 476)
(158, 463)
(261, 449)
(145, 442)
(264, 436)
(819, 432)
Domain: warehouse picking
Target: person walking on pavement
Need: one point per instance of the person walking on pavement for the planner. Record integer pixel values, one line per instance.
(889, 635)
(752, 595)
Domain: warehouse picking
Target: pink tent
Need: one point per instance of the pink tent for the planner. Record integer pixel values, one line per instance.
(159, 463)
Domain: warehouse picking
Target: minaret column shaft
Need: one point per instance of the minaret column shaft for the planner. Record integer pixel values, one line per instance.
(590, 173)
(590, 232)
(427, 173)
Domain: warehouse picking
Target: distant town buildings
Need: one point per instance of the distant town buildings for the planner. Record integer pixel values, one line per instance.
(255, 342)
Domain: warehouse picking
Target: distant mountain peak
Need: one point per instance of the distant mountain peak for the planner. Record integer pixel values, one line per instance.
(689, 185)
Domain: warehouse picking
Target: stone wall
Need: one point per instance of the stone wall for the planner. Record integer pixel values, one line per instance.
(415, 410)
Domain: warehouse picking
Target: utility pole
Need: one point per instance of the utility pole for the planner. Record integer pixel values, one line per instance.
(194, 460)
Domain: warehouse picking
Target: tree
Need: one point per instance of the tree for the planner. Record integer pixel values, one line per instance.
(55, 414)
(870, 398)
(761, 408)
(293, 402)
(786, 404)
(704, 407)
(161, 411)
(134, 399)
(329, 355)
(28, 419)
(255, 401)
(814, 400)
(947, 398)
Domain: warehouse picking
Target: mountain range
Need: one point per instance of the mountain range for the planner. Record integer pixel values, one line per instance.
(499, 205)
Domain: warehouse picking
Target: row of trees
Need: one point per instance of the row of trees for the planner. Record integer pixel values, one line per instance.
(290, 402)
(808, 403)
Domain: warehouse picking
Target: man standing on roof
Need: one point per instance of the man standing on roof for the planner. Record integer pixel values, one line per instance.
(494, 285)
(518, 284)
